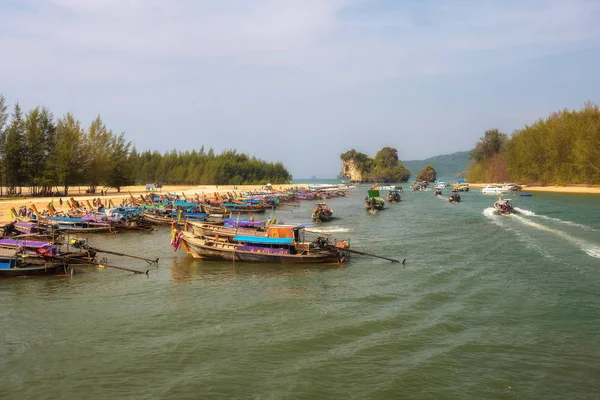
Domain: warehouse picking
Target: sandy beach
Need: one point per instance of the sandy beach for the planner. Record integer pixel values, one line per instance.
(42, 202)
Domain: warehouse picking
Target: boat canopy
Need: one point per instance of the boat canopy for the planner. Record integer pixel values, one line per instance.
(66, 219)
(373, 193)
(263, 240)
(185, 204)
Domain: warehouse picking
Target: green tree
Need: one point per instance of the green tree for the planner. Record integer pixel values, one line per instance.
(97, 150)
(427, 174)
(121, 171)
(70, 157)
(14, 151)
(492, 142)
(4, 115)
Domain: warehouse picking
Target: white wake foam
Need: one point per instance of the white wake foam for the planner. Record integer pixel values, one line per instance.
(560, 221)
(333, 229)
(590, 249)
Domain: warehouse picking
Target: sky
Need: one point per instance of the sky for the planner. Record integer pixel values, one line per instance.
(302, 81)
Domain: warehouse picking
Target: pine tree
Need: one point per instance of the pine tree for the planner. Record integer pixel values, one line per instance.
(14, 151)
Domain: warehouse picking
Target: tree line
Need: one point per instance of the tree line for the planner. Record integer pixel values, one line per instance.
(562, 148)
(42, 152)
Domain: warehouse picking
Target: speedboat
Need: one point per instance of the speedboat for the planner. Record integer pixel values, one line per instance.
(504, 207)
(493, 189)
(441, 185)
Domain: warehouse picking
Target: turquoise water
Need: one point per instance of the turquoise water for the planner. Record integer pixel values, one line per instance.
(485, 307)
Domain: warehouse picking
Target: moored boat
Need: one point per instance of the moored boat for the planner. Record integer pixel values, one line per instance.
(284, 244)
(12, 264)
(492, 189)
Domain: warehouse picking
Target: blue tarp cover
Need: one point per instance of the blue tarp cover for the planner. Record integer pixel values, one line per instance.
(66, 219)
(189, 214)
(185, 204)
(263, 240)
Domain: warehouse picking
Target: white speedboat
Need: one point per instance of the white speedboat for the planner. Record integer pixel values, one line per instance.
(441, 185)
(493, 189)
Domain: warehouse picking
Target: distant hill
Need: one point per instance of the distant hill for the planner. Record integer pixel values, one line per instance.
(447, 166)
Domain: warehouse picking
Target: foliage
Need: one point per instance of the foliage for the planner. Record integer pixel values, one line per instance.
(492, 142)
(37, 152)
(385, 167)
(446, 166)
(561, 149)
(427, 174)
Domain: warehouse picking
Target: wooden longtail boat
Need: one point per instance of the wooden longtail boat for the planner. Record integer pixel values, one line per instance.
(504, 207)
(283, 245)
(203, 229)
(393, 196)
(454, 197)
(158, 219)
(77, 225)
(322, 213)
(373, 202)
(236, 208)
(12, 264)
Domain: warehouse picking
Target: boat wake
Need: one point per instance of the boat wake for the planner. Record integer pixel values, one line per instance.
(496, 219)
(585, 246)
(560, 221)
(333, 229)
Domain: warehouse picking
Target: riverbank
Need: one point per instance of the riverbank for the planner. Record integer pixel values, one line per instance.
(111, 194)
(555, 189)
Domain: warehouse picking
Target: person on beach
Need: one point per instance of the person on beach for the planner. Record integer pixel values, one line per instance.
(60, 201)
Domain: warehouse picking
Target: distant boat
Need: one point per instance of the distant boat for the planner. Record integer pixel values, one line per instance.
(322, 213)
(393, 196)
(504, 207)
(454, 197)
(437, 191)
(373, 201)
(493, 189)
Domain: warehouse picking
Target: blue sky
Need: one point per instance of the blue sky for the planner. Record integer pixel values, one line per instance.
(302, 81)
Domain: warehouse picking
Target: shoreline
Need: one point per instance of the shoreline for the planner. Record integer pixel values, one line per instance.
(41, 202)
(550, 188)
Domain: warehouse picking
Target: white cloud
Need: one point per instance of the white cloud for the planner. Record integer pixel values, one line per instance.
(312, 66)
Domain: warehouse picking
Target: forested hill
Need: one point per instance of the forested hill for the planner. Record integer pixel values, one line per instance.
(447, 166)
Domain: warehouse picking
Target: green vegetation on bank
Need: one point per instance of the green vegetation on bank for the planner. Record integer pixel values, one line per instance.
(385, 167)
(448, 166)
(41, 152)
(563, 148)
(426, 174)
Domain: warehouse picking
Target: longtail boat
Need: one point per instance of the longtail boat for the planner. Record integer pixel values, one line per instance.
(243, 208)
(373, 202)
(393, 196)
(12, 264)
(322, 213)
(77, 225)
(257, 249)
(204, 229)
